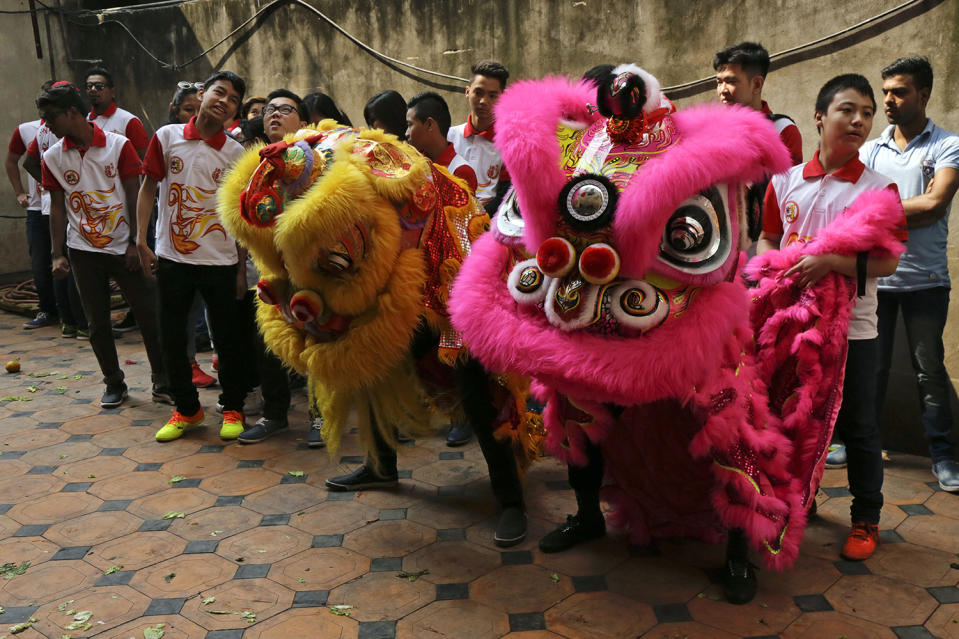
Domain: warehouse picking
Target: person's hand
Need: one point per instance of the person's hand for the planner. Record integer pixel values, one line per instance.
(148, 260)
(61, 267)
(810, 269)
(23, 200)
(132, 258)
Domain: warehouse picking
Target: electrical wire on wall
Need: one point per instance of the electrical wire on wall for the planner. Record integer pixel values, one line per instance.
(821, 46)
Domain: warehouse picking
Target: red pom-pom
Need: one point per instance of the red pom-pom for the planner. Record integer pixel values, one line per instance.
(599, 264)
(306, 306)
(266, 292)
(556, 257)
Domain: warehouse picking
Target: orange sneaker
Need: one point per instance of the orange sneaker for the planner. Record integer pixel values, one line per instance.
(201, 379)
(177, 424)
(232, 424)
(862, 541)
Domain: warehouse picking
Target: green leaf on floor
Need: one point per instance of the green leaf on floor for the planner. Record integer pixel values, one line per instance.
(169, 577)
(78, 377)
(61, 389)
(343, 610)
(113, 569)
(11, 570)
(44, 374)
(174, 515)
(208, 601)
(301, 580)
(64, 377)
(20, 627)
(15, 399)
(154, 632)
(295, 473)
(249, 616)
(413, 576)
(32, 389)
(176, 479)
(64, 605)
(554, 578)
(80, 620)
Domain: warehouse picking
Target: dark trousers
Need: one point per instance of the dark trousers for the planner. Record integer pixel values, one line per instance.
(269, 373)
(587, 480)
(41, 264)
(858, 429)
(93, 272)
(924, 315)
(473, 384)
(177, 284)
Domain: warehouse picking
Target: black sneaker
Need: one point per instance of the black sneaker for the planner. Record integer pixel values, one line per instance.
(739, 581)
(574, 531)
(361, 478)
(315, 438)
(261, 430)
(511, 528)
(162, 395)
(114, 395)
(459, 434)
(127, 324)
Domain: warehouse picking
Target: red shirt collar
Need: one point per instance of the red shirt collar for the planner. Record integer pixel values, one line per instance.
(468, 130)
(99, 139)
(851, 171)
(110, 111)
(766, 108)
(447, 155)
(190, 133)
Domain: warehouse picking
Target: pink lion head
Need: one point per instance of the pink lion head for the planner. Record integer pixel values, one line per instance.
(611, 269)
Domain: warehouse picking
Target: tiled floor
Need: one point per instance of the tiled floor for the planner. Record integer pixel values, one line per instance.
(85, 496)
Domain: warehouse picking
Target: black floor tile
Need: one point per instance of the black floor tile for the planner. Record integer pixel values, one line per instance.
(672, 613)
(812, 603)
(308, 598)
(452, 591)
(524, 621)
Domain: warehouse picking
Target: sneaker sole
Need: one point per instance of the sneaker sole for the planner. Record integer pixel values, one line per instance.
(458, 442)
(113, 404)
(372, 484)
(316, 444)
(506, 543)
(835, 466)
(949, 489)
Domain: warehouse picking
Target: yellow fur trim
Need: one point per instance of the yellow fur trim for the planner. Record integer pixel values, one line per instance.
(258, 240)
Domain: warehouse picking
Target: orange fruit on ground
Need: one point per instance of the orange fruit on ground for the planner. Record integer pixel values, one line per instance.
(13, 366)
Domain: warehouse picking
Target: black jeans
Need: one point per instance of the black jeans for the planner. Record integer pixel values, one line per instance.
(177, 284)
(587, 480)
(924, 316)
(93, 272)
(269, 373)
(858, 429)
(38, 243)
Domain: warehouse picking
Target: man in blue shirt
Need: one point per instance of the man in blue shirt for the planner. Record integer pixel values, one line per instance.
(923, 160)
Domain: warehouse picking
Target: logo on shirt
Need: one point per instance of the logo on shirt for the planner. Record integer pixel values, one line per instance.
(72, 177)
(217, 173)
(792, 211)
(492, 171)
(110, 171)
(176, 164)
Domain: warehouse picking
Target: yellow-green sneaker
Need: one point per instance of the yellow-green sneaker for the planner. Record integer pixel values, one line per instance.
(177, 424)
(232, 424)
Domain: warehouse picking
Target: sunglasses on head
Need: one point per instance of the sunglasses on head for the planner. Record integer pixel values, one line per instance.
(183, 84)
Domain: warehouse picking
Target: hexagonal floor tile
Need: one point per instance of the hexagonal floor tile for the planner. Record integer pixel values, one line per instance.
(944, 622)
(595, 557)
(394, 538)
(319, 568)
(453, 619)
(835, 624)
(334, 517)
(48, 581)
(808, 575)
(125, 437)
(58, 454)
(130, 486)
(242, 481)
(36, 550)
(184, 500)
(95, 424)
(262, 597)
(33, 439)
(404, 495)
(286, 498)
(941, 533)
(881, 600)
(516, 589)
(657, 580)
(30, 486)
(769, 613)
(918, 565)
(183, 576)
(215, 523)
(461, 511)
(95, 528)
(95, 468)
(151, 453)
(379, 596)
(452, 562)
(264, 545)
(304, 622)
(200, 465)
(174, 627)
(111, 606)
(54, 508)
(450, 472)
(136, 550)
(600, 616)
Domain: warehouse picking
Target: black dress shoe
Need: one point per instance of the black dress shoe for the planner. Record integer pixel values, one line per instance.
(361, 478)
(114, 395)
(739, 581)
(459, 434)
(574, 531)
(511, 528)
(263, 428)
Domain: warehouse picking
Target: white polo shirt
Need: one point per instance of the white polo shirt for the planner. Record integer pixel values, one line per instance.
(91, 181)
(122, 122)
(20, 141)
(477, 148)
(805, 199)
(41, 143)
(189, 169)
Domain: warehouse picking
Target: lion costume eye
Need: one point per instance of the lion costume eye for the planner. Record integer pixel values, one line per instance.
(696, 237)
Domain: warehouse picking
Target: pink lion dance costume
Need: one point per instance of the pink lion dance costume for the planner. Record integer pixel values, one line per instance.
(611, 278)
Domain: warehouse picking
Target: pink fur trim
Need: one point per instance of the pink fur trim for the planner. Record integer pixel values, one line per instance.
(527, 115)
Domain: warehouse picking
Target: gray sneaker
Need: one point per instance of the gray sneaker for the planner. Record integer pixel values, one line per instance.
(947, 472)
(836, 457)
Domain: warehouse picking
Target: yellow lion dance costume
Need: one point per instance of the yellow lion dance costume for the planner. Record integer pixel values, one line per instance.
(357, 237)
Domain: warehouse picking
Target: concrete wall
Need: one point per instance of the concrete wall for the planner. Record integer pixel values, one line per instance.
(673, 39)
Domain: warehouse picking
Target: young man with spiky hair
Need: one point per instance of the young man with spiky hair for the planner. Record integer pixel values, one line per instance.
(185, 162)
(799, 204)
(427, 123)
(92, 178)
(923, 160)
